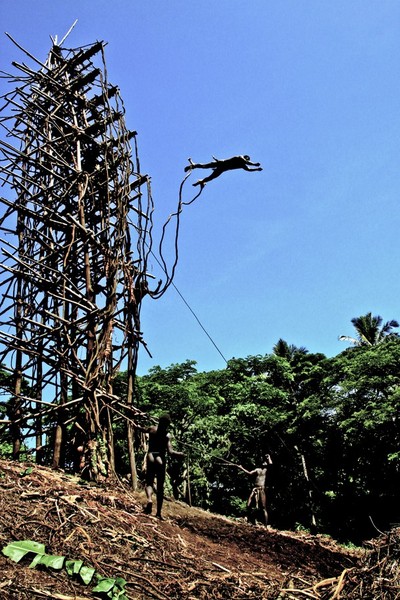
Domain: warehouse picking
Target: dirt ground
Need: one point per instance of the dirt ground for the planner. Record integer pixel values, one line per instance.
(192, 554)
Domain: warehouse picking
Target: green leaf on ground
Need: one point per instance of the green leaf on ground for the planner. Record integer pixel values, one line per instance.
(17, 550)
(49, 561)
(104, 585)
(86, 574)
(73, 567)
(26, 472)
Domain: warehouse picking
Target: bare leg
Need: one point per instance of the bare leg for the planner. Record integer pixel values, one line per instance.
(149, 506)
(263, 506)
(193, 165)
(149, 483)
(213, 175)
(160, 491)
(265, 517)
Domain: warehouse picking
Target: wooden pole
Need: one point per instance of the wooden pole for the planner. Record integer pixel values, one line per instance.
(188, 490)
(310, 492)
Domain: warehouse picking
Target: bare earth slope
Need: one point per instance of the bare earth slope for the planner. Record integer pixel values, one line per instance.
(192, 554)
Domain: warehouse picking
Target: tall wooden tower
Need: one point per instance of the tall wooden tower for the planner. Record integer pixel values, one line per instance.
(75, 238)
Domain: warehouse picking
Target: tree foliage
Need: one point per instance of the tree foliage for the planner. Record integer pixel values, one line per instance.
(331, 426)
(370, 331)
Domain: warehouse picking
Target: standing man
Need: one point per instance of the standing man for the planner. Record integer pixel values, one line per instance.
(159, 446)
(258, 495)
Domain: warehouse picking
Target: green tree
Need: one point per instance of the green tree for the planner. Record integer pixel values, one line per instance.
(331, 426)
(364, 452)
(302, 439)
(288, 351)
(370, 331)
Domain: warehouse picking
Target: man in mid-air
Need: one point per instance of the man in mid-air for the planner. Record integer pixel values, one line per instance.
(220, 166)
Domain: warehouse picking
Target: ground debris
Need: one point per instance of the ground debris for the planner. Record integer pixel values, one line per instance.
(191, 555)
(377, 575)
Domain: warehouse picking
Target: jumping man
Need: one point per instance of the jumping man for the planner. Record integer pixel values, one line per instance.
(220, 166)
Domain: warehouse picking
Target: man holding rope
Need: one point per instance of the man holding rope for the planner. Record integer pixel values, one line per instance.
(258, 495)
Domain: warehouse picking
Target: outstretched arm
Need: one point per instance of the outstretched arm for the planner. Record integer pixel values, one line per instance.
(140, 428)
(246, 168)
(253, 472)
(252, 170)
(173, 452)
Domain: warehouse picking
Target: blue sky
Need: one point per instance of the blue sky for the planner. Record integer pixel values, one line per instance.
(310, 89)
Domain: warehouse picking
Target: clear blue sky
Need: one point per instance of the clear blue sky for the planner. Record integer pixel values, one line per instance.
(311, 89)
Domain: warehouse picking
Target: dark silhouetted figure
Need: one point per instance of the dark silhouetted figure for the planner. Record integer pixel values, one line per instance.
(159, 446)
(258, 495)
(220, 166)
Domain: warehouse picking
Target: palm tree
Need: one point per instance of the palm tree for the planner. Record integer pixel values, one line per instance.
(370, 330)
(288, 351)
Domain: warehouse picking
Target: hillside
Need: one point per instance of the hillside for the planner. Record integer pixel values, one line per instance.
(192, 554)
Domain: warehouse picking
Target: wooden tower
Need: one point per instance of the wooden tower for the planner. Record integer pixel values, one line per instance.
(75, 237)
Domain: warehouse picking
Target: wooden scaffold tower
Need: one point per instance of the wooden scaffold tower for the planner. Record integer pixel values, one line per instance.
(75, 238)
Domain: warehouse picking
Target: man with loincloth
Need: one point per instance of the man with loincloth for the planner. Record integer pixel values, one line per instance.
(258, 495)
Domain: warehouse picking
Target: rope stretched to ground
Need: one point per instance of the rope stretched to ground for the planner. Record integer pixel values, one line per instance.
(200, 323)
